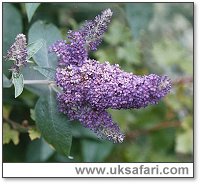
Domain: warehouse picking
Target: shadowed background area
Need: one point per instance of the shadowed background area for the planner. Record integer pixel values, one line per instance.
(142, 38)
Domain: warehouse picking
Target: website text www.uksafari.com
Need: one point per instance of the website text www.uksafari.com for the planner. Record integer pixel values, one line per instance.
(140, 170)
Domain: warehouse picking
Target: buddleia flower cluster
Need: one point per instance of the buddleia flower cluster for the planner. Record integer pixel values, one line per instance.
(90, 88)
(18, 53)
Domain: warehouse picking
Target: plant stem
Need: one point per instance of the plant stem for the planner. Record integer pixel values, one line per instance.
(37, 82)
(16, 125)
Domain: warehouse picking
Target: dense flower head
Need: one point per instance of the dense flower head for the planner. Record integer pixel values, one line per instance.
(106, 86)
(89, 87)
(18, 52)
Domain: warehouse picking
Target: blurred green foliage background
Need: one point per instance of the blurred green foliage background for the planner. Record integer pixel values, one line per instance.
(142, 38)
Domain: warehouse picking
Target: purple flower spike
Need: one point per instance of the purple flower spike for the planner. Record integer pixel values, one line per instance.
(87, 38)
(89, 87)
(110, 87)
(100, 122)
(93, 30)
(18, 52)
(70, 53)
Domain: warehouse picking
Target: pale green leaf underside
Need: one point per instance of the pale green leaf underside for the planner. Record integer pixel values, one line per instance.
(49, 73)
(50, 34)
(34, 47)
(30, 9)
(18, 84)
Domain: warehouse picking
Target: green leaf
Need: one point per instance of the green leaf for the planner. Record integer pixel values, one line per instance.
(30, 74)
(34, 47)
(49, 73)
(6, 82)
(18, 82)
(34, 133)
(94, 151)
(54, 126)
(9, 134)
(50, 34)
(12, 25)
(79, 131)
(139, 16)
(30, 9)
(38, 151)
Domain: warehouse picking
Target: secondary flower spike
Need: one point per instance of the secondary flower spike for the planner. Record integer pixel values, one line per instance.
(18, 53)
(89, 87)
(93, 30)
